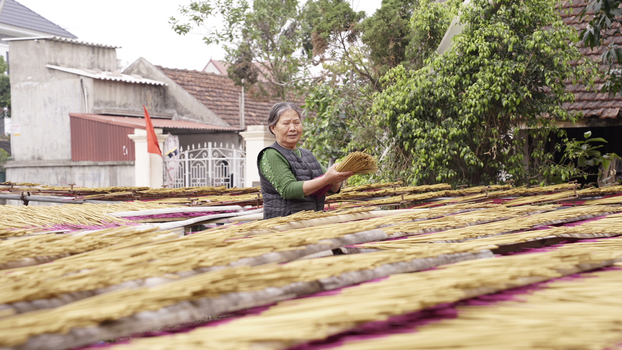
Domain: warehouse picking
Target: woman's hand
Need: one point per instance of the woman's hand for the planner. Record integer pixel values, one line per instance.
(331, 178)
(335, 177)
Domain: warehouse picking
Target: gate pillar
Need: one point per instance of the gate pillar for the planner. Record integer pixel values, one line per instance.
(257, 137)
(148, 167)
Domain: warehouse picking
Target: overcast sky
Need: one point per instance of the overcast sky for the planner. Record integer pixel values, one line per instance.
(140, 28)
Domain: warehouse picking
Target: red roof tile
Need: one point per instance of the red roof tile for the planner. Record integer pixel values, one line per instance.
(221, 96)
(592, 103)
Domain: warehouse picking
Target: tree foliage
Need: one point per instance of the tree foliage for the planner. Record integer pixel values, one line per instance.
(605, 24)
(263, 40)
(457, 120)
(481, 112)
(388, 33)
(355, 57)
(579, 158)
(5, 87)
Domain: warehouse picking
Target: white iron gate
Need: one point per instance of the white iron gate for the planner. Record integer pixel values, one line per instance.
(210, 165)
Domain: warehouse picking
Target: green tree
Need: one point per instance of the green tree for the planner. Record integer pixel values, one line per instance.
(605, 23)
(334, 39)
(4, 157)
(5, 87)
(458, 119)
(388, 33)
(262, 40)
(429, 22)
(356, 52)
(579, 158)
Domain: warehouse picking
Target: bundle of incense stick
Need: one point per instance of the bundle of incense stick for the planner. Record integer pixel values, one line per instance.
(498, 322)
(356, 162)
(293, 322)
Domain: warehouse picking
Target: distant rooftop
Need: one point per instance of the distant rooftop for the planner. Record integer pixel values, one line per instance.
(112, 76)
(61, 39)
(220, 94)
(139, 123)
(18, 15)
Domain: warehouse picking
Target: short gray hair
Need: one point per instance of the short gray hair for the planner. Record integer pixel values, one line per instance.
(278, 109)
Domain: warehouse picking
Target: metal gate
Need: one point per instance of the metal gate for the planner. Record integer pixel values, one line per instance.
(210, 165)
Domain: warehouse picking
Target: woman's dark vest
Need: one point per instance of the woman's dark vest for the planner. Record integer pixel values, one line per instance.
(304, 168)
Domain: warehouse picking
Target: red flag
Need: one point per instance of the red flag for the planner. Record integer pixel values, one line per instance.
(152, 140)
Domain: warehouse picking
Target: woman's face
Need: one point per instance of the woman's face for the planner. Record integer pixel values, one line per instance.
(288, 129)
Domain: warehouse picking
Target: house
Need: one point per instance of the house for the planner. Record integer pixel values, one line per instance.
(602, 113)
(18, 21)
(216, 67)
(79, 121)
(213, 89)
(73, 113)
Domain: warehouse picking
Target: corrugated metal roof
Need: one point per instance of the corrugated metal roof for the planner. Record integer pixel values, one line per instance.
(139, 123)
(113, 76)
(61, 39)
(18, 15)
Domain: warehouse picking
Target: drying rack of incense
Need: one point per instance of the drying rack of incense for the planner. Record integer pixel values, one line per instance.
(460, 262)
(68, 194)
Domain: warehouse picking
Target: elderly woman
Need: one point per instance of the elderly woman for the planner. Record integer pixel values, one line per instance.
(292, 179)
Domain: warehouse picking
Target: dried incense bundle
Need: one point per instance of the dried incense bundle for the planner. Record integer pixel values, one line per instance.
(494, 228)
(488, 192)
(479, 217)
(496, 234)
(358, 163)
(181, 256)
(566, 195)
(547, 316)
(102, 270)
(225, 199)
(608, 200)
(328, 273)
(20, 220)
(350, 194)
(601, 191)
(606, 227)
(297, 321)
(164, 258)
(28, 251)
(372, 186)
(481, 192)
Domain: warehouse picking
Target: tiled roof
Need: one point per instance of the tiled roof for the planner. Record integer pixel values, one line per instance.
(139, 123)
(18, 15)
(221, 96)
(592, 103)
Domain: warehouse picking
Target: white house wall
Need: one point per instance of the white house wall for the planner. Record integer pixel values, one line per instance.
(67, 54)
(42, 98)
(120, 96)
(86, 174)
(40, 120)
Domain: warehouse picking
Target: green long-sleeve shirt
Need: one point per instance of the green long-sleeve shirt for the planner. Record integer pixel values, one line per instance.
(277, 170)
